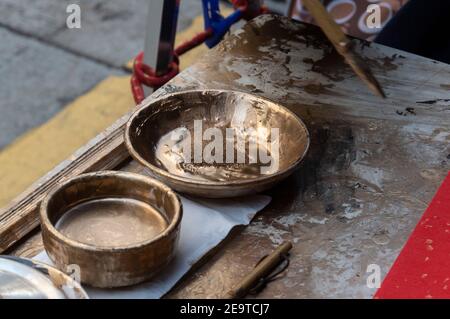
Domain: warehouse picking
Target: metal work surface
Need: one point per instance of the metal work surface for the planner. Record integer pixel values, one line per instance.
(372, 168)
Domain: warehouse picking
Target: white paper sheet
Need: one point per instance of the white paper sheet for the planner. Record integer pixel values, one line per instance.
(205, 223)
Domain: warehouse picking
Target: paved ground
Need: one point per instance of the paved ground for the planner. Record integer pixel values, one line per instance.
(45, 65)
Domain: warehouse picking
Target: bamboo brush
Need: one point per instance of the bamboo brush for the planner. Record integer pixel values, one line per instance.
(342, 44)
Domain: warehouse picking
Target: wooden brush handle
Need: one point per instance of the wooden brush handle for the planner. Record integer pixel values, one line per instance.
(262, 270)
(331, 29)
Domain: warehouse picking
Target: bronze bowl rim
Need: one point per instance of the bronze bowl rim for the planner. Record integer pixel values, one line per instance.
(245, 182)
(114, 174)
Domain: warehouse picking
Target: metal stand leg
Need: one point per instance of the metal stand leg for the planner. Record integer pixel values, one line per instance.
(160, 35)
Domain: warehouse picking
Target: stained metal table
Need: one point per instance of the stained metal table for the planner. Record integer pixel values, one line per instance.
(373, 165)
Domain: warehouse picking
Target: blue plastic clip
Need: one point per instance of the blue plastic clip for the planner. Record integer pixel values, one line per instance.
(215, 21)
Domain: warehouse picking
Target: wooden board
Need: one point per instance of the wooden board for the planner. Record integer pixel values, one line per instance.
(373, 165)
(106, 151)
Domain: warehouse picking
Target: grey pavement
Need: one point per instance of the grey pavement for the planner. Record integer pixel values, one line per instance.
(37, 81)
(44, 65)
(112, 31)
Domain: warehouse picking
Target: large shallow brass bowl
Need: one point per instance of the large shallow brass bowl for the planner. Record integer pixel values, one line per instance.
(119, 228)
(156, 136)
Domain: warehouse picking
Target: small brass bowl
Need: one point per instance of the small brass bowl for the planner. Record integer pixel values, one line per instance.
(158, 135)
(119, 228)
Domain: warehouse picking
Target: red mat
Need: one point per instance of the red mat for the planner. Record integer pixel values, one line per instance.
(422, 270)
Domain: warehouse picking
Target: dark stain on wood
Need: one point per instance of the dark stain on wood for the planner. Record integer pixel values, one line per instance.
(385, 63)
(407, 111)
(431, 102)
(319, 88)
(332, 66)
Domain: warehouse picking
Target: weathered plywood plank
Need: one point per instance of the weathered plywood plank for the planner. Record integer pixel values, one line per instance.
(373, 165)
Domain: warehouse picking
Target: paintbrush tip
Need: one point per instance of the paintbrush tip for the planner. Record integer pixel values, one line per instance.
(377, 89)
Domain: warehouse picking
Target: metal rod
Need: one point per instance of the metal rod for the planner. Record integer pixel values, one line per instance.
(160, 35)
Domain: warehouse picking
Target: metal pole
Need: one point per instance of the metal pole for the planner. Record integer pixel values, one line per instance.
(160, 35)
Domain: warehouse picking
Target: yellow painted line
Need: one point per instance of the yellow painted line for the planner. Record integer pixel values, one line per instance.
(36, 152)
